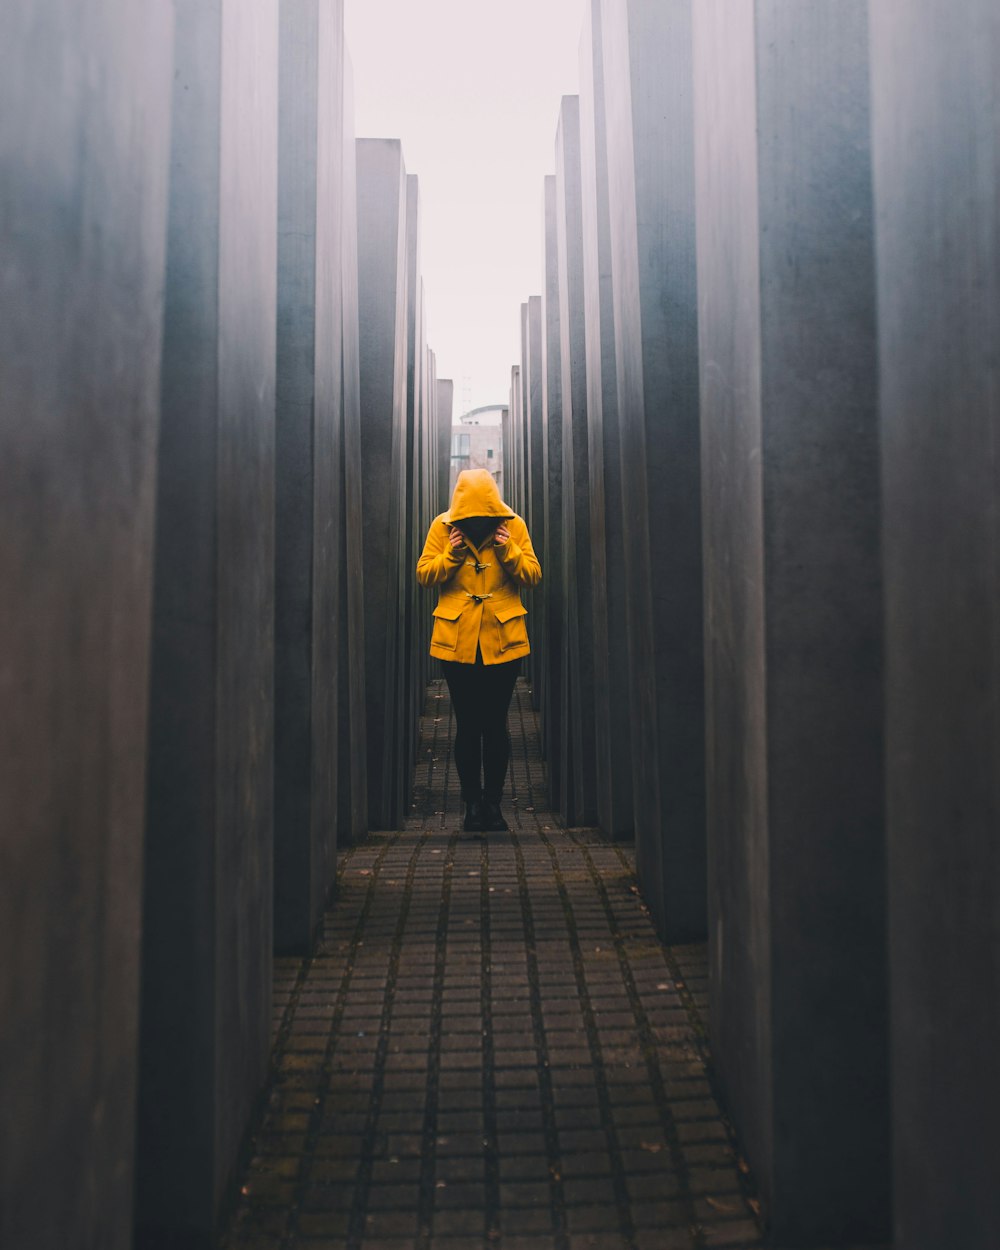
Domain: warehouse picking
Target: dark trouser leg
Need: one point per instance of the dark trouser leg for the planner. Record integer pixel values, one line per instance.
(467, 704)
(498, 686)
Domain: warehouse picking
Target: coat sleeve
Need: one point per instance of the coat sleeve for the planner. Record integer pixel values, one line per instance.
(439, 561)
(518, 556)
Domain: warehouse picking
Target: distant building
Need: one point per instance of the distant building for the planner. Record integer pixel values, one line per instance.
(477, 442)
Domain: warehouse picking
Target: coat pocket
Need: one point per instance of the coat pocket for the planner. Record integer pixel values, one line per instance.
(512, 627)
(445, 634)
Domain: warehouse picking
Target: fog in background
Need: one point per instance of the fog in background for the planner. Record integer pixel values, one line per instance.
(472, 89)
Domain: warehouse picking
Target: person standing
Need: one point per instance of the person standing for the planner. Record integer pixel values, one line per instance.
(479, 555)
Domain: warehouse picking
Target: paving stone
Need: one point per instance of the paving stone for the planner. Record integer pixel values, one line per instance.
(525, 1220)
(521, 1143)
(595, 1163)
(461, 1168)
(323, 1224)
(593, 1219)
(463, 1196)
(587, 1192)
(458, 1228)
(386, 1224)
(658, 1239)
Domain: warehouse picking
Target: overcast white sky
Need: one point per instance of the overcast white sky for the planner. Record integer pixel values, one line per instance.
(472, 88)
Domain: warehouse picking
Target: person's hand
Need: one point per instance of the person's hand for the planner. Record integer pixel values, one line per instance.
(455, 538)
(501, 536)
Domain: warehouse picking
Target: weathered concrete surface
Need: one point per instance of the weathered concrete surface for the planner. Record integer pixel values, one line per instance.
(207, 939)
(937, 156)
(612, 708)
(650, 137)
(382, 264)
(309, 443)
(551, 539)
(352, 786)
(793, 616)
(84, 145)
(579, 799)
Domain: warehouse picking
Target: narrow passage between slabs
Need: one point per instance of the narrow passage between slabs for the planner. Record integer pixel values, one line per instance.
(491, 1048)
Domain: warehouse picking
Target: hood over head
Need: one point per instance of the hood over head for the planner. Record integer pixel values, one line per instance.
(476, 495)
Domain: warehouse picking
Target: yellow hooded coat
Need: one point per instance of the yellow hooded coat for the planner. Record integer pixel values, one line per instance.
(479, 605)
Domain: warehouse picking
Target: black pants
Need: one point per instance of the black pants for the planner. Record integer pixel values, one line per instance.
(480, 697)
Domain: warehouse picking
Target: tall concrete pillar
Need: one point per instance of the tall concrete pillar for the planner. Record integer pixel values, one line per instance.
(531, 365)
(206, 1006)
(513, 492)
(553, 629)
(429, 443)
(432, 449)
(937, 155)
(578, 797)
(445, 416)
(84, 148)
(352, 736)
(793, 607)
(415, 598)
(650, 138)
(612, 704)
(523, 450)
(510, 449)
(429, 507)
(506, 439)
(382, 270)
(309, 441)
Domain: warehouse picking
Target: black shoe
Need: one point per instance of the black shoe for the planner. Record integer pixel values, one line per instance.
(493, 821)
(473, 816)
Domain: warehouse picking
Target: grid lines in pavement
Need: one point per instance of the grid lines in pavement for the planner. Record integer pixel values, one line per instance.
(490, 1049)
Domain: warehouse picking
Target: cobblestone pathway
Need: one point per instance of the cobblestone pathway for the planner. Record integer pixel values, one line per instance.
(491, 1050)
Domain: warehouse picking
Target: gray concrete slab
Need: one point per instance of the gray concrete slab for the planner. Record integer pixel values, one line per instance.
(84, 147)
(579, 799)
(308, 448)
(382, 270)
(612, 705)
(352, 737)
(553, 609)
(207, 937)
(936, 128)
(793, 607)
(647, 56)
